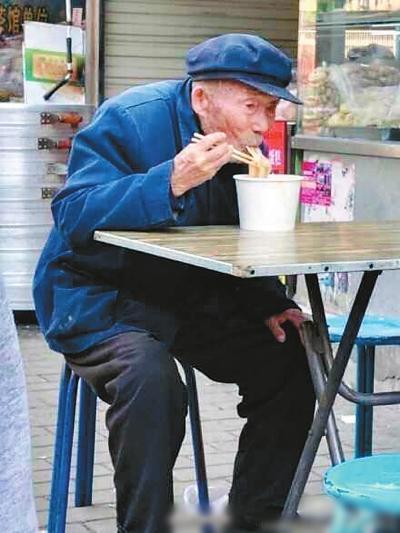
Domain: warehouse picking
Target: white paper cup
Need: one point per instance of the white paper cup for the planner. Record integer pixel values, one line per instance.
(268, 204)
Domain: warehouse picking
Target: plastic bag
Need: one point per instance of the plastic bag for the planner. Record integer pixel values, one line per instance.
(11, 70)
(218, 496)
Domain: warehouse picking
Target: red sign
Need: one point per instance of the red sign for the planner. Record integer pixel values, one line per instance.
(276, 140)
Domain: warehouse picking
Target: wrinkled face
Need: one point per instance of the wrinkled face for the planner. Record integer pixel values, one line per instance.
(241, 112)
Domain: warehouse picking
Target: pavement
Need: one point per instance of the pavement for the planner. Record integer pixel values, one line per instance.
(221, 428)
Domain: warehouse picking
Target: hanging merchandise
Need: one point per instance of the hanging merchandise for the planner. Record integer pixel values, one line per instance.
(14, 15)
(47, 72)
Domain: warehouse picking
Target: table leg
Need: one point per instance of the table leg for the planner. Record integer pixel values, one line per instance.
(334, 378)
(313, 347)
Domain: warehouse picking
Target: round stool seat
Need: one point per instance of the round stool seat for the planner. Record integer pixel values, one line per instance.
(375, 330)
(369, 482)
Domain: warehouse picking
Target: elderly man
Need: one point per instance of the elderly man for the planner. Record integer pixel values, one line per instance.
(120, 318)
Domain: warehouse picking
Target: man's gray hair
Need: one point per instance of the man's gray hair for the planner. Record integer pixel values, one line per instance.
(224, 86)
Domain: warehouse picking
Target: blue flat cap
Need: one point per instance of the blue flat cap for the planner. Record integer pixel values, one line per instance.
(242, 57)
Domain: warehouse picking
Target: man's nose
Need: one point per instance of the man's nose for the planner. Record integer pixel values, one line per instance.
(264, 122)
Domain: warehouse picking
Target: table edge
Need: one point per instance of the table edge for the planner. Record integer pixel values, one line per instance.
(245, 271)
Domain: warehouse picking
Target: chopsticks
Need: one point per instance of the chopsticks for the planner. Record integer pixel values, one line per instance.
(254, 152)
(236, 154)
(259, 165)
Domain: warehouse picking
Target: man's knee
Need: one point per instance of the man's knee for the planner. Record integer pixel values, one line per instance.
(148, 371)
(276, 374)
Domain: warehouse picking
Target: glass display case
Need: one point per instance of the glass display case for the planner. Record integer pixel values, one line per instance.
(349, 68)
(347, 142)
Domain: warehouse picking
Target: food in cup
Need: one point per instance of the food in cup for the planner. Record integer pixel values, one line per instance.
(268, 203)
(261, 166)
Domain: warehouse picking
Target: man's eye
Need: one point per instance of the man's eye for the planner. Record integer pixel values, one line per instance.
(250, 106)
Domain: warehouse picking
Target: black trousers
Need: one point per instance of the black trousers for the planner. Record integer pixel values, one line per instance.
(136, 374)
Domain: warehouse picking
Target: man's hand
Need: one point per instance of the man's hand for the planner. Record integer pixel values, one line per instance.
(199, 162)
(295, 316)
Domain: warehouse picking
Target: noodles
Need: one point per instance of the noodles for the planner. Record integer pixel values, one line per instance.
(261, 166)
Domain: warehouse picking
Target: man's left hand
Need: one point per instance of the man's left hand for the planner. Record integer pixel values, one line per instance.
(295, 316)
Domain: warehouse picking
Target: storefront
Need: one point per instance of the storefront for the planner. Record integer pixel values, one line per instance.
(115, 44)
(349, 129)
(35, 134)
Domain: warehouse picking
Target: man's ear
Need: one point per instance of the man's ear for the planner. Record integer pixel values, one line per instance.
(200, 100)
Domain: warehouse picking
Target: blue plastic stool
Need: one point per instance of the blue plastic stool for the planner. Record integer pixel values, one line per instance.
(85, 447)
(374, 331)
(367, 491)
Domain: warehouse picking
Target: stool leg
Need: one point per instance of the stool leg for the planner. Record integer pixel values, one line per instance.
(197, 438)
(86, 442)
(54, 492)
(369, 387)
(66, 454)
(360, 410)
(364, 413)
(352, 520)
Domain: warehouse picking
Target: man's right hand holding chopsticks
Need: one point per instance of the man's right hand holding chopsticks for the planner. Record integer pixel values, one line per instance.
(199, 162)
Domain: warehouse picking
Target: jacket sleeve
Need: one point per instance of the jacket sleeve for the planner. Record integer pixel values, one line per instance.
(103, 191)
(263, 297)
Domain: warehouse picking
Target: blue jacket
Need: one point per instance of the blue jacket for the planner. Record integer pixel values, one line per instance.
(119, 178)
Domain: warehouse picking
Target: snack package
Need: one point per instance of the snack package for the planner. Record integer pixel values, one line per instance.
(362, 92)
(321, 100)
(368, 94)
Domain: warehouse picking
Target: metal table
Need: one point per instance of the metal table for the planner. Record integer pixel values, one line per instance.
(309, 250)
